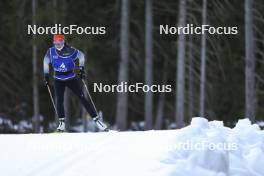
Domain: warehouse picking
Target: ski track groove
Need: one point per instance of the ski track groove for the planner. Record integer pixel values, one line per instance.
(63, 162)
(75, 157)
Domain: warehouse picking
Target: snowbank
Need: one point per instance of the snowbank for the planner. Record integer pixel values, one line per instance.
(203, 148)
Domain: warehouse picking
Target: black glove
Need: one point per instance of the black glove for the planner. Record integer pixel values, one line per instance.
(82, 73)
(46, 79)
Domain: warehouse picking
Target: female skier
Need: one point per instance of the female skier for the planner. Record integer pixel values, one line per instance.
(62, 59)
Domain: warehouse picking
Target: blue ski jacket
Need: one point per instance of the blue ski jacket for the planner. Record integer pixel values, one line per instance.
(62, 62)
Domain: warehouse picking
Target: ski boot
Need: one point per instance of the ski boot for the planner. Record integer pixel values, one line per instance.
(61, 127)
(100, 124)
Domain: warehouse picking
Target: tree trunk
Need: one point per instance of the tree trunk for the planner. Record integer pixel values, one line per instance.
(161, 102)
(148, 66)
(181, 67)
(122, 98)
(190, 80)
(249, 63)
(203, 62)
(84, 113)
(35, 73)
(54, 4)
(83, 110)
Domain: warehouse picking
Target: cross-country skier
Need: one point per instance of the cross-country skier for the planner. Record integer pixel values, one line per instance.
(62, 59)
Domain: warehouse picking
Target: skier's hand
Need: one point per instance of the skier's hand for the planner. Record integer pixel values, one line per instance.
(82, 73)
(46, 79)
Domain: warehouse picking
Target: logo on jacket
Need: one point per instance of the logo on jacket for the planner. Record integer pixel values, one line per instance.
(62, 68)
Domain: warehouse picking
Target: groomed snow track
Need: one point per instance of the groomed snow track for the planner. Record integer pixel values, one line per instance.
(201, 149)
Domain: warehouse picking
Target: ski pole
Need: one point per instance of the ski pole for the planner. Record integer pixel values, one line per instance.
(52, 100)
(100, 124)
(86, 88)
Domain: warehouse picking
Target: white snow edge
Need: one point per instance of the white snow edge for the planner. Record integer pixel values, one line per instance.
(222, 152)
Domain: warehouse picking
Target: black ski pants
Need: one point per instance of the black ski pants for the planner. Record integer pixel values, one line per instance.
(74, 86)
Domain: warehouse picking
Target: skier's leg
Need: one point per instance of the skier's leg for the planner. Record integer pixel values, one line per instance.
(75, 87)
(59, 87)
(59, 91)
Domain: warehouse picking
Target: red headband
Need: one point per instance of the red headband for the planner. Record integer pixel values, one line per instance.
(58, 37)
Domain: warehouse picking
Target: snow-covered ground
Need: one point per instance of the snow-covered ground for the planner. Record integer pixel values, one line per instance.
(201, 149)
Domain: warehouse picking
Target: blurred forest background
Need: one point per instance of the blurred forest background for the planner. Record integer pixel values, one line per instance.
(219, 77)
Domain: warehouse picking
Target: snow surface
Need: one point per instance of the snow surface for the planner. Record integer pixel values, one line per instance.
(235, 152)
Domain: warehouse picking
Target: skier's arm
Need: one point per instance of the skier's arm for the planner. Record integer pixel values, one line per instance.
(81, 58)
(46, 62)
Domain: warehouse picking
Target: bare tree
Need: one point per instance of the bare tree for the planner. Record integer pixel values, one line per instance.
(203, 61)
(83, 110)
(181, 67)
(35, 73)
(249, 63)
(190, 77)
(148, 66)
(122, 97)
(161, 101)
(54, 4)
